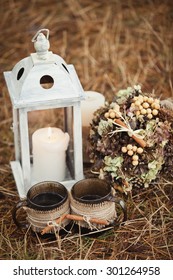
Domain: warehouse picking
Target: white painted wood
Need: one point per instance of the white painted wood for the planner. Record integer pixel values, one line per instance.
(77, 132)
(11, 89)
(16, 134)
(49, 105)
(62, 87)
(18, 176)
(25, 155)
(28, 92)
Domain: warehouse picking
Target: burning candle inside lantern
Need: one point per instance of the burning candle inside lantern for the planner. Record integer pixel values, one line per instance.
(49, 154)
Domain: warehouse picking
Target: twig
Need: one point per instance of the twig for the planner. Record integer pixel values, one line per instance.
(74, 218)
(49, 227)
(140, 141)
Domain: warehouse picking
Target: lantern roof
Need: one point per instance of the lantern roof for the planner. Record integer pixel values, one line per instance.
(43, 78)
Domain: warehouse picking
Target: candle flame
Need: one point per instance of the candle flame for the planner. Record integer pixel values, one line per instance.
(49, 132)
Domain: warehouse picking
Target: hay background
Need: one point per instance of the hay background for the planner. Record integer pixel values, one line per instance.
(112, 44)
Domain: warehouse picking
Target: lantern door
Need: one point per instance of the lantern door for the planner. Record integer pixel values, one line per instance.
(26, 123)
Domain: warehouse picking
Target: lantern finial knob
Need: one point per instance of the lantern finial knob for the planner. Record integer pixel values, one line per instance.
(41, 43)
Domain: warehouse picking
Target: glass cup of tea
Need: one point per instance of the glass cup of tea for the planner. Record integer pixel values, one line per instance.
(95, 199)
(45, 202)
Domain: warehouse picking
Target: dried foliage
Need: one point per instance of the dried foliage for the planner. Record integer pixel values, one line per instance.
(131, 140)
(113, 44)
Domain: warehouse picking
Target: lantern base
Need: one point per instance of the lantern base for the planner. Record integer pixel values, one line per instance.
(22, 189)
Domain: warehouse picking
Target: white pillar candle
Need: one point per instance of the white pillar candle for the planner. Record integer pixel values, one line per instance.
(49, 154)
(94, 100)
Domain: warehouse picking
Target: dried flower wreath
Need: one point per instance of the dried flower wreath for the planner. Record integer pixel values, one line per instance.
(131, 140)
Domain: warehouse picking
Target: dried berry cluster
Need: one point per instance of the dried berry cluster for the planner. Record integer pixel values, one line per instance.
(131, 139)
(133, 151)
(144, 105)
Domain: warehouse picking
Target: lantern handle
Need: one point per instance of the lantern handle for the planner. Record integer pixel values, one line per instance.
(34, 39)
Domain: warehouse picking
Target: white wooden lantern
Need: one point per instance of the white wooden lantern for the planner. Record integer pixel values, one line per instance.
(27, 94)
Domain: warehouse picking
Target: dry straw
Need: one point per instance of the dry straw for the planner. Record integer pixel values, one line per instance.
(113, 44)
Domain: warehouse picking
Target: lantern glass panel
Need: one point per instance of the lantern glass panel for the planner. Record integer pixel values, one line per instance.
(61, 118)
